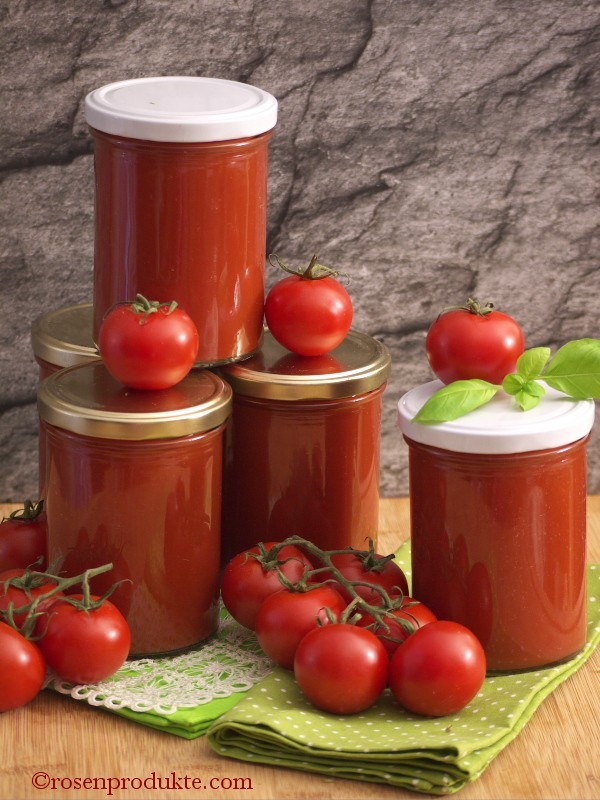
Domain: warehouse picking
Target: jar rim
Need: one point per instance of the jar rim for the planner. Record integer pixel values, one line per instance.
(500, 426)
(86, 399)
(358, 365)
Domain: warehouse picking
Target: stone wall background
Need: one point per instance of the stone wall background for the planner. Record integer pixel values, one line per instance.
(433, 149)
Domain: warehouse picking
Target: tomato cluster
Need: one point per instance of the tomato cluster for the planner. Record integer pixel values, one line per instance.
(80, 637)
(344, 623)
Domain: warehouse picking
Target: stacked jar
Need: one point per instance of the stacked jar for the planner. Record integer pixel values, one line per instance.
(135, 477)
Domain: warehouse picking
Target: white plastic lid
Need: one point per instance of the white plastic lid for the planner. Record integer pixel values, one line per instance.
(181, 109)
(500, 426)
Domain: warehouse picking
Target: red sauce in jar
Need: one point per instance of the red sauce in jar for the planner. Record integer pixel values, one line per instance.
(134, 478)
(302, 451)
(181, 202)
(498, 539)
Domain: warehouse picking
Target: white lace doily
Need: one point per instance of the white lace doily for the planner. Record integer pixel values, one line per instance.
(229, 662)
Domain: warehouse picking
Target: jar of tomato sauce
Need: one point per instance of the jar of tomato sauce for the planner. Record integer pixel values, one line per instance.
(59, 339)
(498, 523)
(181, 202)
(134, 478)
(63, 338)
(302, 450)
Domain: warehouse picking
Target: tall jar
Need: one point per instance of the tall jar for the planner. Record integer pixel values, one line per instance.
(181, 203)
(59, 339)
(134, 479)
(302, 450)
(498, 523)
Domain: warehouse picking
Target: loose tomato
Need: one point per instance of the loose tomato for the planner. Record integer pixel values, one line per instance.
(474, 342)
(438, 670)
(246, 582)
(368, 567)
(285, 617)
(309, 312)
(411, 611)
(341, 669)
(148, 345)
(21, 587)
(22, 669)
(23, 538)
(84, 646)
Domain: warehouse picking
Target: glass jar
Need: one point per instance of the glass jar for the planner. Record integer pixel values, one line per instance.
(59, 339)
(498, 523)
(134, 478)
(63, 338)
(302, 451)
(181, 203)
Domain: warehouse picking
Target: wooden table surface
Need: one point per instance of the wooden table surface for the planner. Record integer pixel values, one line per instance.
(557, 755)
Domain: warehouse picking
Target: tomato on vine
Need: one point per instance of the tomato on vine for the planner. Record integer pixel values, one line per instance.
(341, 668)
(83, 638)
(309, 312)
(250, 577)
(19, 588)
(398, 623)
(474, 341)
(438, 670)
(367, 567)
(22, 669)
(148, 345)
(285, 617)
(23, 537)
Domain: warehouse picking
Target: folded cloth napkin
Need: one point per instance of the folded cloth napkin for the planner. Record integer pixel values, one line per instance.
(274, 724)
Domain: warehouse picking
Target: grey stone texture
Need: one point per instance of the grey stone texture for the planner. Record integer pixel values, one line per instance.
(432, 149)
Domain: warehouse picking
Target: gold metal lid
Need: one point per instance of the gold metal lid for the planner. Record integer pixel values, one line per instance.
(86, 399)
(358, 365)
(64, 337)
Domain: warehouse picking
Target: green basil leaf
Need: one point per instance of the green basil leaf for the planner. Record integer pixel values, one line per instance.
(531, 364)
(575, 369)
(526, 400)
(513, 383)
(455, 400)
(534, 388)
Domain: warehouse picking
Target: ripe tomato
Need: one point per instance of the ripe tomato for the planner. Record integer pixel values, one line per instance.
(245, 583)
(438, 670)
(22, 669)
(23, 538)
(148, 345)
(309, 312)
(21, 588)
(474, 342)
(342, 669)
(285, 617)
(412, 611)
(370, 568)
(84, 646)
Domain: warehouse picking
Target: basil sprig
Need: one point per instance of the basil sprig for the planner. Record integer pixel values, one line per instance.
(574, 370)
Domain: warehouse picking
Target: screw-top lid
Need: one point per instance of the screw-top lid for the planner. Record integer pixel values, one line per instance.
(89, 401)
(181, 109)
(64, 337)
(500, 426)
(358, 365)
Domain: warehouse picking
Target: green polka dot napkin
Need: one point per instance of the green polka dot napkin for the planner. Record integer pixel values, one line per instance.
(274, 724)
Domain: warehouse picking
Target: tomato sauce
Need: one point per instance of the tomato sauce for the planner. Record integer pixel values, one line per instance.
(181, 203)
(151, 505)
(300, 460)
(499, 538)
